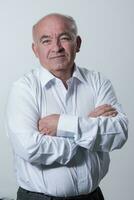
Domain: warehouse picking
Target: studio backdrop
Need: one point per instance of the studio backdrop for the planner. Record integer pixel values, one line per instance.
(107, 31)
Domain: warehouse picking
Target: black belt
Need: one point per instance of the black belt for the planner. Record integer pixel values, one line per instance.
(25, 194)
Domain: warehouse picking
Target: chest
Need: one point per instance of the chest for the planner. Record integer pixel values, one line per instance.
(78, 100)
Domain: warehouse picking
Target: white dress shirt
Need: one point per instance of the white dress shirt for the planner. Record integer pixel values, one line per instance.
(75, 161)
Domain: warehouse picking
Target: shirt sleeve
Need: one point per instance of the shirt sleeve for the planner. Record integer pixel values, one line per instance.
(21, 123)
(101, 133)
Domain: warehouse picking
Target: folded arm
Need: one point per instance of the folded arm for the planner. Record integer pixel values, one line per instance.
(99, 133)
(104, 129)
(28, 143)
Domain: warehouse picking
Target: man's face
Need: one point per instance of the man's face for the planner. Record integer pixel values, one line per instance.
(55, 45)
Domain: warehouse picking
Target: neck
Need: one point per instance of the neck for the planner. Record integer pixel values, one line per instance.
(63, 75)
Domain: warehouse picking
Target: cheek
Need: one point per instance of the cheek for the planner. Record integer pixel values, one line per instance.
(43, 53)
(72, 52)
(43, 56)
(70, 49)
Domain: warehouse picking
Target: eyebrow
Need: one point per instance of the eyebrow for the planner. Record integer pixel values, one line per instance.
(44, 37)
(66, 33)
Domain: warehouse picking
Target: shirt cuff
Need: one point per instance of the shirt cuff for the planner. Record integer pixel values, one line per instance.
(67, 126)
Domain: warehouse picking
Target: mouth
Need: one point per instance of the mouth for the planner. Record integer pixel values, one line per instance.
(59, 56)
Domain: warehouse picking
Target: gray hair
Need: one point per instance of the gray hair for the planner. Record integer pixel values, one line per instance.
(70, 19)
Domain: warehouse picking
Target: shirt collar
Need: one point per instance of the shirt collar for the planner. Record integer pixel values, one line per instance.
(46, 76)
(77, 74)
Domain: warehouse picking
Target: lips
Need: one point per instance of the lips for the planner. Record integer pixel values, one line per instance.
(59, 56)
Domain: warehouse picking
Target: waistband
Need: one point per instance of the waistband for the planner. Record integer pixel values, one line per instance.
(25, 193)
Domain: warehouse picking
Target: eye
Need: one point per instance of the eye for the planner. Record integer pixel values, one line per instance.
(46, 42)
(65, 38)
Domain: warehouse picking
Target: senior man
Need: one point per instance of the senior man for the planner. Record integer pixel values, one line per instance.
(62, 120)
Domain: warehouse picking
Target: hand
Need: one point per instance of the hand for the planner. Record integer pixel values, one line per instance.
(104, 110)
(48, 125)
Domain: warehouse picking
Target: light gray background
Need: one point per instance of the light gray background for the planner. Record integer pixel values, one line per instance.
(107, 29)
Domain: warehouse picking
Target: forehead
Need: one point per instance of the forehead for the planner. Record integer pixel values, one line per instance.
(52, 25)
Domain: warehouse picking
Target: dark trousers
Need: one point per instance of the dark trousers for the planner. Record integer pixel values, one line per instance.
(23, 194)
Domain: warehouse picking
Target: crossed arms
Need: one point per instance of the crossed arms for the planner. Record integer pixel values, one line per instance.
(48, 125)
(105, 129)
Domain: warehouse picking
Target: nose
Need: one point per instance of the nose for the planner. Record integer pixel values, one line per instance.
(57, 46)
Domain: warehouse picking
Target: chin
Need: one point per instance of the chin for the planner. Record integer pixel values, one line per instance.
(60, 67)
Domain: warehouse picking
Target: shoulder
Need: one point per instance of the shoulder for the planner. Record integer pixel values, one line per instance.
(27, 85)
(28, 80)
(93, 76)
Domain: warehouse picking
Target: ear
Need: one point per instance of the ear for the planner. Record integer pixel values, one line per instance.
(35, 50)
(78, 41)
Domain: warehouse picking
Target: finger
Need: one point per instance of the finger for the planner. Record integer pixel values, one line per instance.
(45, 131)
(42, 124)
(102, 110)
(40, 127)
(105, 110)
(110, 113)
(114, 115)
(102, 107)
